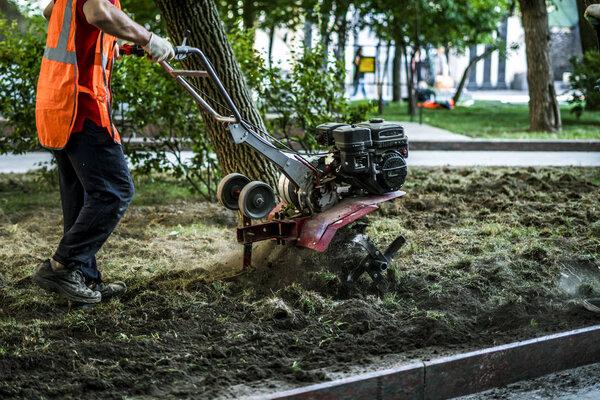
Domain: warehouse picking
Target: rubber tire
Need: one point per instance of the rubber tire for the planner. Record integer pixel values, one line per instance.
(224, 195)
(250, 190)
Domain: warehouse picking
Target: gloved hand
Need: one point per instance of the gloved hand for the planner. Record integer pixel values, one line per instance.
(159, 49)
(592, 14)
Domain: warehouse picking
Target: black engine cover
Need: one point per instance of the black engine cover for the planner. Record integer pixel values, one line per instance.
(368, 156)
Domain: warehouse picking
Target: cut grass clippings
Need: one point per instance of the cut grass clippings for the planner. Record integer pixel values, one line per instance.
(493, 255)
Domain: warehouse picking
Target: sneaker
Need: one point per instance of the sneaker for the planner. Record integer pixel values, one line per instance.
(109, 290)
(68, 283)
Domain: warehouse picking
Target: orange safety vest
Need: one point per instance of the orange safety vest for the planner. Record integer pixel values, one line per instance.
(58, 85)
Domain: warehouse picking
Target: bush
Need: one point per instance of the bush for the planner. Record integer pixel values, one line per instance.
(149, 104)
(586, 72)
(21, 50)
(310, 94)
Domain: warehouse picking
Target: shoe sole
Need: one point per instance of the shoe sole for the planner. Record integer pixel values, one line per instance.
(52, 286)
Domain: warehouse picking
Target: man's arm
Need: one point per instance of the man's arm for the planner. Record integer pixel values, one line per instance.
(48, 10)
(108, 18)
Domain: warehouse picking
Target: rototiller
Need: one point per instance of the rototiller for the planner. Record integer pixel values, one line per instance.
(321, 193)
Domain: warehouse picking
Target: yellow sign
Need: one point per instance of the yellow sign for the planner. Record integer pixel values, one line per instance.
(367, 64)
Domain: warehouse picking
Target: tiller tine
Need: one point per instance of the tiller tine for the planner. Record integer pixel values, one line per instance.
(375, 262)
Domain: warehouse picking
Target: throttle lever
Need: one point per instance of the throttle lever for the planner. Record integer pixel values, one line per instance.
(131, 50)
(182, 52)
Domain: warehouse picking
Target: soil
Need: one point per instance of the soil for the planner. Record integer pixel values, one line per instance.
(492, 256)
(573, 384)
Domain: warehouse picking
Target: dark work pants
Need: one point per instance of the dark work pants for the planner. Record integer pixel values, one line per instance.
(95, 191)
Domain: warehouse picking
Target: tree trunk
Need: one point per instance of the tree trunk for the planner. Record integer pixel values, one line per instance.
(587, 34)
(410, 83)
(544, 114)
(326, 11)
(207, 33)
(271, 41)
(342, 28)
(396, 66)
(249, 14)
(465, 74)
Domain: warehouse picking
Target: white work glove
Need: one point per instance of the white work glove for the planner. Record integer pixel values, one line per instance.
(159, 49)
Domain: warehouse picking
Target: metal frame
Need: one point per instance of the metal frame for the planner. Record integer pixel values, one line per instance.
(297, 170)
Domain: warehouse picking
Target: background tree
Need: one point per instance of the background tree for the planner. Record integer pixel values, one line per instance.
(11, 12)
(454, 24)
(21, 49)
(544, 114)
(201, 18)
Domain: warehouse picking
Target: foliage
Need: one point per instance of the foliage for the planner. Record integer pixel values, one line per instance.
(457, 24)
(586, 72)
(20, 60)
(304, 97)
(265, 13)
(145, 13)
(153, 106)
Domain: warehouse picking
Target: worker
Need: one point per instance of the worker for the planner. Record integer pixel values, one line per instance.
(74, 122)
(359, 76)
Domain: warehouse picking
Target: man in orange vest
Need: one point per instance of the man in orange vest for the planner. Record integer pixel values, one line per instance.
(74, 121)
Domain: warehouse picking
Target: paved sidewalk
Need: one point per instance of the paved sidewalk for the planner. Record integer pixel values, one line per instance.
(29, 161)
(504, 158)
(424, 132)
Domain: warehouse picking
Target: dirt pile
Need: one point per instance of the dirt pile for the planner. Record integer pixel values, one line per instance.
(492, 256)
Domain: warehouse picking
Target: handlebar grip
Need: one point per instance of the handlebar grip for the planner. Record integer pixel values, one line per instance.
(131, 50)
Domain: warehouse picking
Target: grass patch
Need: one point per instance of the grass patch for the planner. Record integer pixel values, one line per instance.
(493, 255)
(493, 119)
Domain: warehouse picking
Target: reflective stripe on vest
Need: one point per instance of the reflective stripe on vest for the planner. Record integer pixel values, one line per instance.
(60, 52)
(58, 86)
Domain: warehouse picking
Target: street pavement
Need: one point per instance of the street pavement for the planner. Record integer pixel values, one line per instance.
(30, 161)
(415, 132)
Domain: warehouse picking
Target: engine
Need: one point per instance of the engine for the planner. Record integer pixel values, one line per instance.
(368, 156)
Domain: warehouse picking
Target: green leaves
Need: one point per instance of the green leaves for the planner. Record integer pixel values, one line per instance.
(307, 95)
(584, 80)
(20, 59)
(150, 105)
(454, 23)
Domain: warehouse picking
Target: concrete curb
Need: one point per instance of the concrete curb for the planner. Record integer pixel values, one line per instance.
(465, 373)
(505, 145)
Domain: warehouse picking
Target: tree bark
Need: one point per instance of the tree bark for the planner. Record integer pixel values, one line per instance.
(207, 33)
(271, 41)
(249, 14)
(396, 66)
(544, 114)
(342, 28)
(412, 104)
(325, 11)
